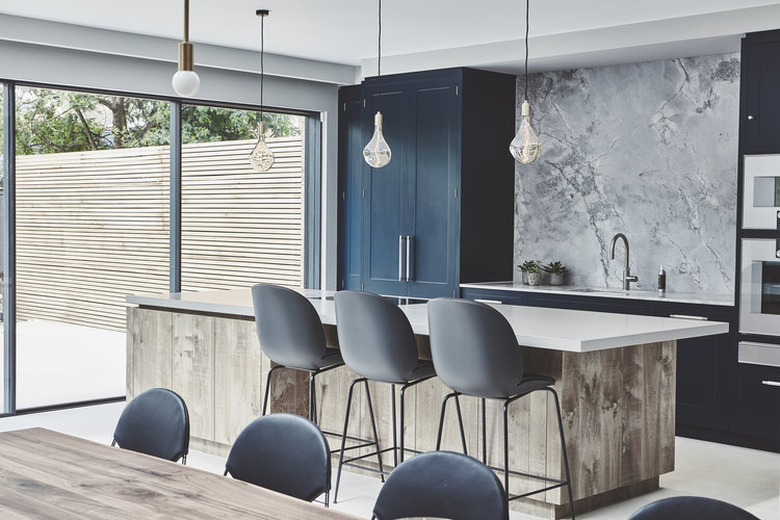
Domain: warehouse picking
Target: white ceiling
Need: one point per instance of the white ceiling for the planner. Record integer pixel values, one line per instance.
(430, 33)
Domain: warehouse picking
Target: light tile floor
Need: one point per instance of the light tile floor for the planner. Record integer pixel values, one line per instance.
(745, 477)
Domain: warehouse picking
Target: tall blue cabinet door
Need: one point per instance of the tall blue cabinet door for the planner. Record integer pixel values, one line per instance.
(385, 205)
(351, 174)
(434, 223)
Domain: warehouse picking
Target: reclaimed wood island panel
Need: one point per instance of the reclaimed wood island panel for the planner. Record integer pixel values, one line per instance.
(615, 375)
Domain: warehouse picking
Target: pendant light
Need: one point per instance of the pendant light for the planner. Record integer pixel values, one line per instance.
(377, 152)
(262, 158)
(526, 146)
(186, 82)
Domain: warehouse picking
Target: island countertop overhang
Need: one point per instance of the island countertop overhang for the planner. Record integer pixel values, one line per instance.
(554, 329)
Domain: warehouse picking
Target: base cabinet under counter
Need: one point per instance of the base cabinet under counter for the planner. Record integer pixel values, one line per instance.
(718, 399)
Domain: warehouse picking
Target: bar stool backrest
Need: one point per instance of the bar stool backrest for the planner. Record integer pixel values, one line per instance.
(375, 337)
(474, 348)
(687, 508)
(442, 484)
(288, 327)
(282, 452)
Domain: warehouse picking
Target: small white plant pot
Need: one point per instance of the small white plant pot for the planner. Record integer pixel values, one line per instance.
(556, 278)
(534, 278)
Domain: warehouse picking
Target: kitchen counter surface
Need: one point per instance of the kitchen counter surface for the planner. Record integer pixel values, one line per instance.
(606, 292)
(554, 329)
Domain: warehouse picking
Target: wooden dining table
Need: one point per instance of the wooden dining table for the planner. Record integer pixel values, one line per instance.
(50, 475)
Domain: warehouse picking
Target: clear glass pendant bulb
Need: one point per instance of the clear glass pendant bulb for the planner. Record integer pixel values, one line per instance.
(377, 152)
(526, 147)
(262, 158)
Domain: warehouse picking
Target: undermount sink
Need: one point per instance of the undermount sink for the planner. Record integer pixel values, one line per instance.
(596, 290)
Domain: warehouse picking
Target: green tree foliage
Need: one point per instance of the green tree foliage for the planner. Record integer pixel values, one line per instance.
(51, 121)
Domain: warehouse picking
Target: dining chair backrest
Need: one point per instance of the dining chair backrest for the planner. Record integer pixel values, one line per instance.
(442, 484)
(155, 422)
(689, 507)
(288, 327)
(474, 348)
(282, 452)
(375, 337)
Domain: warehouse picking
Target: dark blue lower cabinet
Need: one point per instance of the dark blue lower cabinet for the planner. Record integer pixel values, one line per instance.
(718, 399)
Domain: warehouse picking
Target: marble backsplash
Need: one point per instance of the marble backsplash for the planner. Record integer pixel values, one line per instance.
(646, 149)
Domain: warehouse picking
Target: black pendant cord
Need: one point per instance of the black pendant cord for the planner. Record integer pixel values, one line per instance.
(262, 66)
(186, 21)
(527, 19)
(379, 61)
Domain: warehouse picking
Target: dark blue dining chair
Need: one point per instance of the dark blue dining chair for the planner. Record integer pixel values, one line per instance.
(442, 484)
(155, 422)
(285, 453)
(691, 508)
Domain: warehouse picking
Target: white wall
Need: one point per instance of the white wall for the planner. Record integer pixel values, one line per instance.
(72, 56)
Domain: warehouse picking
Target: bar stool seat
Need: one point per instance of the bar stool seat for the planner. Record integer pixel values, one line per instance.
(378, 344)
(475, 352)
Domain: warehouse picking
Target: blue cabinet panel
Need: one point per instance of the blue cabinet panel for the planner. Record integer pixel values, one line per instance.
(412, 210)
(350, 233)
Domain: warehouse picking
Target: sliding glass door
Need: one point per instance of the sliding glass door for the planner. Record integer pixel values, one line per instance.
(92, 212)
(241, 226)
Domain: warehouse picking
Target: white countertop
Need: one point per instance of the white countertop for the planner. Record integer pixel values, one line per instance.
(606, 292)
(555, 329)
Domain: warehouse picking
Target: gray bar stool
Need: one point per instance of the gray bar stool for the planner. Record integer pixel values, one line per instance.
(475, 353)
(291, 335)
(377, 343)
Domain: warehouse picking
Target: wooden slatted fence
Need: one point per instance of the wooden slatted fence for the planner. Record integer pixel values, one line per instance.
(93, 227)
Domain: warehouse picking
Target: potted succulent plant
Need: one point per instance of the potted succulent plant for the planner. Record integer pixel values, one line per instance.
(533, 271)
(529, 266)
(557, 271)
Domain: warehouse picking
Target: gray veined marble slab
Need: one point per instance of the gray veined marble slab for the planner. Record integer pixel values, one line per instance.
(648, 149)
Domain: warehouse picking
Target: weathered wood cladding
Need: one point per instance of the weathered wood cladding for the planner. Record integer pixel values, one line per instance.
(617, 404)
(93, 227)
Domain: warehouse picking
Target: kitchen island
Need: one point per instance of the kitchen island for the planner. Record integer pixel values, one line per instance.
(615, 375)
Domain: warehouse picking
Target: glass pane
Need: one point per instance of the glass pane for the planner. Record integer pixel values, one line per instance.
(240, 226)
(770, 287)
(91, 227)
(3, 407)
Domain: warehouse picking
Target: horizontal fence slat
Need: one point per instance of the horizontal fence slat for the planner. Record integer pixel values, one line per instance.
(93, 227)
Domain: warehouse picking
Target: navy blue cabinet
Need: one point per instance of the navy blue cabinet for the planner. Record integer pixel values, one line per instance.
(718, 399)
(760, 83)
(441, 212)
(350, 232)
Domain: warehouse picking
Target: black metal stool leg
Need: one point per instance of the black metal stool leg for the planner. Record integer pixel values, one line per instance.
(441, 419)
(373, 427)
(312, 399)
(395, 424)
(484, 431)
(403, 390)
(506, 448)
(460, 424)
(344, 439)
(563, 450)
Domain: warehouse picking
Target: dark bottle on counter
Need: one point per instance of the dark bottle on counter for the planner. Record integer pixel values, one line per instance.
(661, 281)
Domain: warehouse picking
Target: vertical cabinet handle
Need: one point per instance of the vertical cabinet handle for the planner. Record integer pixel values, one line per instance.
(408, 257)
(400, 258)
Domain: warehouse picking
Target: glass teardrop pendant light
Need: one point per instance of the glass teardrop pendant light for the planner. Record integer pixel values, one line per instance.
(526, 147)
(377, 152)
(262, 158)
